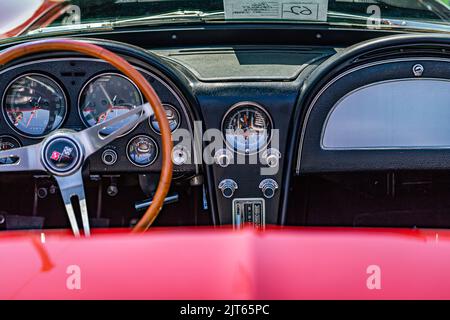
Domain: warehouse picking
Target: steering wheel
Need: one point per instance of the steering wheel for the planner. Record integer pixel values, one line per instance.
(76, 147)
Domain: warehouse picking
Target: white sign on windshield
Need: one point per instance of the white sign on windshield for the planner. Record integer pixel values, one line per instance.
(306, 10)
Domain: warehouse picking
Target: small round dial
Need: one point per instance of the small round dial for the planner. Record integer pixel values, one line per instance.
(108, 96)
(247, 128)
(142, 151)
(34, 105)
(8, 143)
(173, 116)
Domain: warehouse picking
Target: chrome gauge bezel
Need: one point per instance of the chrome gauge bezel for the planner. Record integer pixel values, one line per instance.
(5, 116)
(234, 108)
(156, 148)
(178, 114)
(94, 78)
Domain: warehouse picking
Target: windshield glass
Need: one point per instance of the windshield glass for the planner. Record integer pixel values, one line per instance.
(52, 15)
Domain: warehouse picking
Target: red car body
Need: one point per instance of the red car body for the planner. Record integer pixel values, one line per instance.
(197, 263)
(22, 16)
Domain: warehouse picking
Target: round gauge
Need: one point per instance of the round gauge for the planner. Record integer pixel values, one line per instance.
(173, 116)
(8, 143)
(142, 151)
(34, 105)
(247, 128)
(108, 96)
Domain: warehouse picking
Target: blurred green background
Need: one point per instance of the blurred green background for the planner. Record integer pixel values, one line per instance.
(446, 1)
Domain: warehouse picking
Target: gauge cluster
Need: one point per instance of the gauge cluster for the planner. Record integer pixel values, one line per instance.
(76, 93)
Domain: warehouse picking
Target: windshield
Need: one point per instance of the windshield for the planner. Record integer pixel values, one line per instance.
(31, 16)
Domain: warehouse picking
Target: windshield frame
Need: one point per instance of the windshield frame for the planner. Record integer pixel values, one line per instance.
(48, 24)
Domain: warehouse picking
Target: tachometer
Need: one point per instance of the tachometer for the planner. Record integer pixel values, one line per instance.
(247, 128)
(108, 96)
(34, 105)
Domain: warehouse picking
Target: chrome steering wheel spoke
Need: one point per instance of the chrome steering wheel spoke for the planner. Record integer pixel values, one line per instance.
(22, 159)
(92, 139)
(72, 189)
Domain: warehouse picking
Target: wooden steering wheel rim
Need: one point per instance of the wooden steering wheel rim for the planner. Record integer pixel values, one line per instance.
(149, 93)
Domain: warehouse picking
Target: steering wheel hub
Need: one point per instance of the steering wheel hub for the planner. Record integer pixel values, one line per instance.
(62, 155)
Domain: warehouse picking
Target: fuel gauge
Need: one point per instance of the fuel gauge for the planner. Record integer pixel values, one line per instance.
(8, 143)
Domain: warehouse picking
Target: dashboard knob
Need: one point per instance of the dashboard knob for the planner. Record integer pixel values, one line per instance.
(268, 188)
(180, 155)
(223, 157)
(271, 157)
(109, 157)
(228, 187)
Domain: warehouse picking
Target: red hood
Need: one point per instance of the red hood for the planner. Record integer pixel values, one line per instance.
(208, 263)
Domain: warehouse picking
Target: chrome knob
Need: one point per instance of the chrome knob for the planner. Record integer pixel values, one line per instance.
(109, 157)
(268, 188)
(271, 157)
(228, 187)
(180, 155)
(223, 157)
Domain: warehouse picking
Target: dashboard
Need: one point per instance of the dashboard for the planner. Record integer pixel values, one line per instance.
(274, 112)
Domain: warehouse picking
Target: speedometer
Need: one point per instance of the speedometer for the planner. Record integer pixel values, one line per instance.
(34, 105)
(106, 97)
(247, 128)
